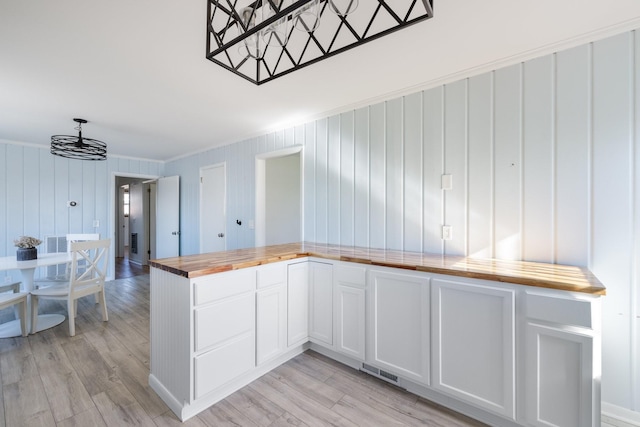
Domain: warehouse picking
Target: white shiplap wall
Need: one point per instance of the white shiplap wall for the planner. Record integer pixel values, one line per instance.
(544, 163)
(37, 186)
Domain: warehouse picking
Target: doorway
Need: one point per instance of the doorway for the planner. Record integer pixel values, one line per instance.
(123, 262)
(279, 197)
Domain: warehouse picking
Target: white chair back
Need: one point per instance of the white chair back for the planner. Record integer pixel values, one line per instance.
(93, 256)
(71, 238)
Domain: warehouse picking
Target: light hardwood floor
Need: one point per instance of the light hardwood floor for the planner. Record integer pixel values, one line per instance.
(100, 378)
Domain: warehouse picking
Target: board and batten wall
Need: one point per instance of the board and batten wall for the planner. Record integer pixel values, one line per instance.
(545, 167)
(37, 186)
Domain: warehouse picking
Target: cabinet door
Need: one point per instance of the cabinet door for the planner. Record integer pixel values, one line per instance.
(223, 364)
(350, 321)
(298, 304)
(271, 322)
(473, 344)
(399, 336)
(559, 377)
(321, 303)
(349, 304)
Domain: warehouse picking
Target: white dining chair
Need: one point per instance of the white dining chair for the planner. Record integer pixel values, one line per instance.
(13, 298)
(89, 280)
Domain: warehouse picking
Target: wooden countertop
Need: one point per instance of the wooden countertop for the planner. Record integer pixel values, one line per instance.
(554, 276)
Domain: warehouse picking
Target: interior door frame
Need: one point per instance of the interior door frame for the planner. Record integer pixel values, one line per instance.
(261, 190)
(224, 167)
(112, 227)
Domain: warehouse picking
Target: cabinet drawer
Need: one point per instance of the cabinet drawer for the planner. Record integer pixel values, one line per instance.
(558, 309)
(224, 320)
(223, 364)
(269, 275)
(222, 285)
(351, 276)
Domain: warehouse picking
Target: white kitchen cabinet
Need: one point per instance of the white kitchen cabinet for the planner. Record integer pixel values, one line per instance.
(399, 319)
(473, 343)
(321, 303)
(559, 360)
(192, 356)
(271, 312)
(503, 353)
(349, 309)
(297, 303)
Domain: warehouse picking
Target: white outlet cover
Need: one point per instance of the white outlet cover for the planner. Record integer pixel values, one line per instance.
(447, 232)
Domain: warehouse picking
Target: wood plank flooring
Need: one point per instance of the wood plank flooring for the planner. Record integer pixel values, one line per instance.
(124, 268)
(100, 378)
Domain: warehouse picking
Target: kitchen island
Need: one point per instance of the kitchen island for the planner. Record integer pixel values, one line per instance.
(506, 342)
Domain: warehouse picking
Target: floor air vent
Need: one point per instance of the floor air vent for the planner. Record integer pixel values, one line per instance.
(389, 376)
(379, 373)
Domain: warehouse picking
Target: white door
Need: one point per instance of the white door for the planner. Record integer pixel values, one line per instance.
(213, 208)
(168, 217)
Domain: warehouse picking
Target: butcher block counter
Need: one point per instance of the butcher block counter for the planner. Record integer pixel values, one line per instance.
(553, 276)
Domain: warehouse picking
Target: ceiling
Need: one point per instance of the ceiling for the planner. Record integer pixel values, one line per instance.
(136, 70)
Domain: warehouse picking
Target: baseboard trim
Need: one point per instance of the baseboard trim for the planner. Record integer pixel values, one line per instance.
(621, 414)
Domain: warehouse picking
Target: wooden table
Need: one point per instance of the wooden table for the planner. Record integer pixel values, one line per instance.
(27, 270)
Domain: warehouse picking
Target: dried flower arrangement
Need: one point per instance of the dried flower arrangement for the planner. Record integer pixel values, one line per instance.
(26, 242)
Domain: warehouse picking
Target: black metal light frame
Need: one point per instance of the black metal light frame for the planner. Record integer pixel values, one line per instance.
(226, 32)
(78, 147)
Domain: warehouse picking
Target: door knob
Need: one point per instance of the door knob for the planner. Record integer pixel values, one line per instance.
(220, 234)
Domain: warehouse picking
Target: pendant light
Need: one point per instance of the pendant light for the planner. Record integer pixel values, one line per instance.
(78, 147)
(257, 39)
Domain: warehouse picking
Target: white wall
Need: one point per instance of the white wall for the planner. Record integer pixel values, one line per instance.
(544, 163)
(282, 200)
(36, 185)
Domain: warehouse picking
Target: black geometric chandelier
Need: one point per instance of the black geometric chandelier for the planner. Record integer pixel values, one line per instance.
(261, 40)
(78, 147)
